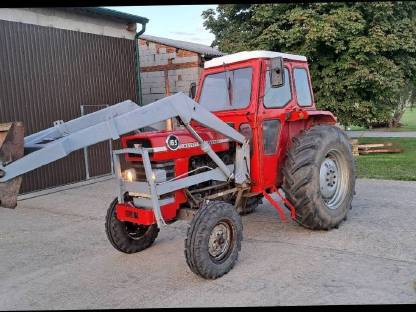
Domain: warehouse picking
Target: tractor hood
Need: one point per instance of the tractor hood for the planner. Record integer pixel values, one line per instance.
(174, 144)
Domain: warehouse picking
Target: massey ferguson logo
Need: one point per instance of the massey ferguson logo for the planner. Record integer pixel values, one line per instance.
(172, 142)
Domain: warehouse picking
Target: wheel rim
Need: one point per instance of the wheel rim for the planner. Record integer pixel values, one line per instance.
(333, 178)
(135, 231)
(220, 240)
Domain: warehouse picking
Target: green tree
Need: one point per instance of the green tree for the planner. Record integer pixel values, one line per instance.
(362, 56)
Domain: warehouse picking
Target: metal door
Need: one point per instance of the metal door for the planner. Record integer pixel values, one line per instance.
(97, 157)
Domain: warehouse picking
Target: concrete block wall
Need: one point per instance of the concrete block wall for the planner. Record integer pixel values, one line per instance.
(184, 67)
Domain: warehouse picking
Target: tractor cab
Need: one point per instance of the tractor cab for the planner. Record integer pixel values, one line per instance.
(242, 81)
(257, 92)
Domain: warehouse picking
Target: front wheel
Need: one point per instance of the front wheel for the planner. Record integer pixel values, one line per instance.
(319, 177)
(249, 206)
(128, 237)
(213, 240)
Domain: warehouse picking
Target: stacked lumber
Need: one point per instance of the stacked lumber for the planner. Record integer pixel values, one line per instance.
(354, 146)
(364, 149)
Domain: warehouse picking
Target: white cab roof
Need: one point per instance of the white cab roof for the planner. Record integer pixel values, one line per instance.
(246, 55)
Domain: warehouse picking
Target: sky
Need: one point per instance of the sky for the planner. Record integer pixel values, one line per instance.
(181, 22)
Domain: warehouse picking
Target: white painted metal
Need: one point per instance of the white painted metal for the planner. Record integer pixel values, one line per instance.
(242, 163)
(57, 142)
(247, 55)
(85, 149)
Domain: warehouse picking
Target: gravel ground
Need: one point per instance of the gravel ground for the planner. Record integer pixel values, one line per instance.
(54, 255)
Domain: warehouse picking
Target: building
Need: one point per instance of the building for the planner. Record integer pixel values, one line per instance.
(170, 66)
(59, 63)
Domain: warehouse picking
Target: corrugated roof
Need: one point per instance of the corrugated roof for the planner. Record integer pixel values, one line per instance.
(110, 14)
(185, 45)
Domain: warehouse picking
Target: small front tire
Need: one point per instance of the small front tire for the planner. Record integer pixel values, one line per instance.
(128, 237)
(214, 240)
(249, 206)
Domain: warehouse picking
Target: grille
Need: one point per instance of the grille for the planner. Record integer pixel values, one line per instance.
(168, 166)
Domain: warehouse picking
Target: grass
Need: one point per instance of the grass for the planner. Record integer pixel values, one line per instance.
(408, 120)
(395, 166)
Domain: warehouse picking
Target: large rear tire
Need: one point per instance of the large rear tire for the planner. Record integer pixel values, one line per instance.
(213, 240)
(319, 177)
(128, 237)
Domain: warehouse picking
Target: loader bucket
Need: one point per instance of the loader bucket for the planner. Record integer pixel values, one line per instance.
(11, 149)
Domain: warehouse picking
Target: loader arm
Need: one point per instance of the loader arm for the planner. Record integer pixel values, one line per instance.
(63, 138)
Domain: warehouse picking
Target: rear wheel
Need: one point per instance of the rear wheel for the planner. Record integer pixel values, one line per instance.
(213, 240)
(128, 237)
(319, 177)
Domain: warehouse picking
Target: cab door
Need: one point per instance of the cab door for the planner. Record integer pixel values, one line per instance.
(273, 103)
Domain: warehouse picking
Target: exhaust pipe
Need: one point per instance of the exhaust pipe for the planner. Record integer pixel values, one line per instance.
(11, 149)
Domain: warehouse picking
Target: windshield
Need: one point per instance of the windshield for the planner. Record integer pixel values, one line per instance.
(227, 90)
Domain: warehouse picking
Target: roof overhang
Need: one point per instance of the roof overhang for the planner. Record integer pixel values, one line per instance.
(110, 14)
(247, 55)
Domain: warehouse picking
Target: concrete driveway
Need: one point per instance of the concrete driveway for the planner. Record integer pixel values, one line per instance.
(54, 255)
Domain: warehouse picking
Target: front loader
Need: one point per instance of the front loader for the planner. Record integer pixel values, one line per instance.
(253, 130)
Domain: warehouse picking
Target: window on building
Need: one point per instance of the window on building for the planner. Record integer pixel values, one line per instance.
(227, 90)
(277, 97)
(303, 92)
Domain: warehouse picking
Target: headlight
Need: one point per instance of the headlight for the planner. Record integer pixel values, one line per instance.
(130, 175)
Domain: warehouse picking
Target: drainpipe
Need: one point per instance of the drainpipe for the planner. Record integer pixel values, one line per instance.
(137, 64)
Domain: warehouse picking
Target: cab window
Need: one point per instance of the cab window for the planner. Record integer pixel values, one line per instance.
(303, 91)
(227, 90)
(270, 134)
(277, 97)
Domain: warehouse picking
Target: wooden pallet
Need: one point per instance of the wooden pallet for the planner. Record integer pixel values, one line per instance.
(365, 149)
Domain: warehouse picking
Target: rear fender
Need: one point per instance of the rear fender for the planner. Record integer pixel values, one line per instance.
(296, 122)
(321, 117)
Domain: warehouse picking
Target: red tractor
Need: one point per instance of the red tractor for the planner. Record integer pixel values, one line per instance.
(252, 130)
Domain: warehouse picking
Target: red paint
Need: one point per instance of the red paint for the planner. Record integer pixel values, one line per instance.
(158, 139)
(276, 205)
(127, 212)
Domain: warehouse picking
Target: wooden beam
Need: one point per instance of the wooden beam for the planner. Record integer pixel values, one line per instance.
(385, 150)
(171, 66)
